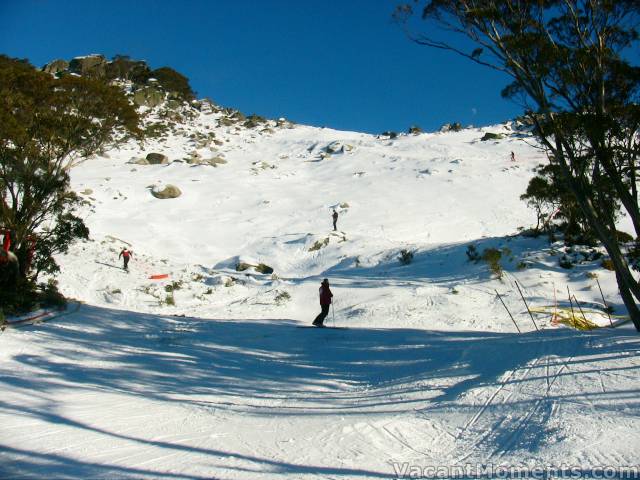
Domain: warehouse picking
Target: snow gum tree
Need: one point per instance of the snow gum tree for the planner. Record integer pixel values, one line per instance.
(46, 125)
(566, 59)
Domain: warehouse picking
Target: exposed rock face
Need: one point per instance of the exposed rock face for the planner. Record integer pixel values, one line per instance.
(157, 159)
(89, 66)
(56, 66)
(338, 147)
(148, 97)
(169, 191)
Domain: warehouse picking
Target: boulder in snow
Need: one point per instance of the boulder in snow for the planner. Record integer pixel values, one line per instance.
(157, 159)
(168, 191)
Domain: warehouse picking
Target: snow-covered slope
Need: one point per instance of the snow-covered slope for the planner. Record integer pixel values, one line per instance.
(204, 375)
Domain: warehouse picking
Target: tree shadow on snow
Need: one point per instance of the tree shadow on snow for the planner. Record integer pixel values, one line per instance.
(270, 368)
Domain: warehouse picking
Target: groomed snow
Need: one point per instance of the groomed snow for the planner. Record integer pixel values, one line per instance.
(221, 384)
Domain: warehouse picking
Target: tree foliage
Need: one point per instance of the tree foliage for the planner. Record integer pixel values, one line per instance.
(568, 70)
(173, 81)
(46, 125)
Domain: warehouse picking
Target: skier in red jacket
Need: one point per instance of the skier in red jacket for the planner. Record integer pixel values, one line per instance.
(126, 255)
(325, 302)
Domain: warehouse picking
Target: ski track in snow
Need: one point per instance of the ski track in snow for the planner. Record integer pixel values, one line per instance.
(222, 385)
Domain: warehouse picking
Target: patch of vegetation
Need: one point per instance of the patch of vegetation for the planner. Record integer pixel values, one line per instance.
(319, 244)
(492, 256)
(155, 130)
(405, 257)
(624, 237)
(491, 136)
(566, 263)
(390, 134)
(282, 297)
(173, 286)
(414, 130)
(607, 264)
(591, 275)
(472, 253)
(242, 266)
(173, 81)
(170, 300)
(262, 268)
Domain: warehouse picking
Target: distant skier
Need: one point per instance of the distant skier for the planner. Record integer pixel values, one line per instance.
(513, 157)
(126, 255)
(325, 303)
(335, 219)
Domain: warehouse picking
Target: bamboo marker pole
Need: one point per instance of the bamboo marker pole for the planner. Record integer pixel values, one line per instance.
(580, 307)
(505, 307)
(526, 305)
(606, 307)
(573, 315)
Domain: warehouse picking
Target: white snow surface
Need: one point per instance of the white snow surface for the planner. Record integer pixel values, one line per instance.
(430, 371)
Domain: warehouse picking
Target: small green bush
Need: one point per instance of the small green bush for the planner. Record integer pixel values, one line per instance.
(492, 136)
(170, 300)
(607, 264)
(282, 297)
(262, 268)
(566, 263)
(405, 257)
(50, 296)
(492, 256)
(319, 244)
(472, 253)
(242, 266)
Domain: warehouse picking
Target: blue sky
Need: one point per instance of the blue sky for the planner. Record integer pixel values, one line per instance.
(343, 65)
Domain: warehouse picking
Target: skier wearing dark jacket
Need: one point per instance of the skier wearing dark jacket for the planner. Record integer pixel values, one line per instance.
(126, 255)
(325, 302)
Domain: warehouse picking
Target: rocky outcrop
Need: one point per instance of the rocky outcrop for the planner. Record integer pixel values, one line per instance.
(168, 191)
(338, 147)
(56, 67)
(89, 66)
(157, 159)
(148, 97)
